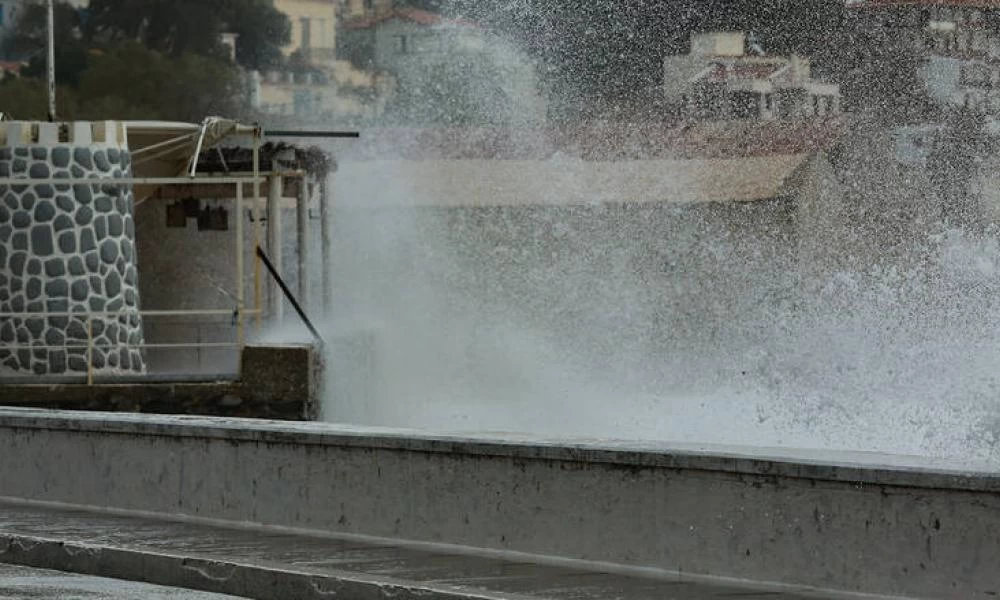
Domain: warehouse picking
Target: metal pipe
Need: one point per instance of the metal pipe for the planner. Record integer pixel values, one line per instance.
(302, 230)
(288, 294)
(312, 134)
(122, 313)
(197, 148)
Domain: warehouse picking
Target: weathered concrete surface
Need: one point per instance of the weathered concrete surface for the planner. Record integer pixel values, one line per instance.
(21, 583)
(276, 382)
(270, 565)
(851, 522)
(223, 398)
(271, 373)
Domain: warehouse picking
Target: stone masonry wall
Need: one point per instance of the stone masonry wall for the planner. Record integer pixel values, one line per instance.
(67, 248)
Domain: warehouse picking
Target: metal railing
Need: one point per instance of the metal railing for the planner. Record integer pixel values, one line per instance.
(89, 344)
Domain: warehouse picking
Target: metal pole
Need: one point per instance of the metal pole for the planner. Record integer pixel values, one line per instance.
(288, 294)
(240, 292)
(325, 225)
(302, 227)
(274, 242)
(257, 228)
(51, 66)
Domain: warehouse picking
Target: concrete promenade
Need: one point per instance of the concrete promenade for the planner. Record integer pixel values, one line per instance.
(831, 522)
(277, 566)
(24, 583)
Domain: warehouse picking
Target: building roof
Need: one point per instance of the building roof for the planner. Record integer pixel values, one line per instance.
(603, 142)
(413, 15)
(892, 3)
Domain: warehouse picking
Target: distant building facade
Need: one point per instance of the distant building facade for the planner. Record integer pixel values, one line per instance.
(314, 27)
(958, 40)
(444, 69)
(320, 87)
(720, 79)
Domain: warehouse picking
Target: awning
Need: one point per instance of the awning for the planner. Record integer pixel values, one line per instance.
(170, 149)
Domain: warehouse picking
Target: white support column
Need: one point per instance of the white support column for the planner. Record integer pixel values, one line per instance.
(302, 227)
(240, 249)
(326, 224)
(274, 243)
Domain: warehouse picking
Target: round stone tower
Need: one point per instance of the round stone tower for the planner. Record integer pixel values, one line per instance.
(67, 248)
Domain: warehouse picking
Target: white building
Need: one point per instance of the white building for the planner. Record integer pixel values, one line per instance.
(720, 79)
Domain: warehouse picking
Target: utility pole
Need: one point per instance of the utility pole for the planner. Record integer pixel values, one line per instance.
(52, 60)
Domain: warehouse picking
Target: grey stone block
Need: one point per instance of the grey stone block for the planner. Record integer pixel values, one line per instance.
(60, 157)
(76, 266)
(67, 242)
(41, 240)
(84, 215)
(21, 220)
(84, 158)
(62, 223)
(44, 211)
(55, 267)
(45, 190)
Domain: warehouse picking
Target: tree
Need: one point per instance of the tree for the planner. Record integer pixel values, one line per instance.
(178, 27)
(29, 40)
(26, 98)
(187, 88)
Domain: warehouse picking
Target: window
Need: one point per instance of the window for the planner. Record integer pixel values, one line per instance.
(399, 44)
(425, 42)
(306, 26)
(2, 15)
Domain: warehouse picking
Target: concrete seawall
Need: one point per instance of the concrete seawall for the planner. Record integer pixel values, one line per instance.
(846, 522)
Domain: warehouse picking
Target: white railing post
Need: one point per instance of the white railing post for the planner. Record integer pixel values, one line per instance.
(90, 349)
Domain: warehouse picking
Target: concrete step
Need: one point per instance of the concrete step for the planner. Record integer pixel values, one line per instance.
(269, 565)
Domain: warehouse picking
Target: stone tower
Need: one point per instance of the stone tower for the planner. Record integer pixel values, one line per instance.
(67, 248)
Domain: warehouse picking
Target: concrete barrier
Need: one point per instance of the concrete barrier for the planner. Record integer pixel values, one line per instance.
(849, 522)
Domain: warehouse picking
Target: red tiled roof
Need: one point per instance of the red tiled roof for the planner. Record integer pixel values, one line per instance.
(603, 142)
(414, 15)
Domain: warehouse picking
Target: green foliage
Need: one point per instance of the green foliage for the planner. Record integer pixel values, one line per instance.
(26, 98)
(189, 87)
(178, 27)
(143, 59)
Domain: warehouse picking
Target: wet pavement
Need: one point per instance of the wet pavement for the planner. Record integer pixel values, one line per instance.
(266, 564)
(24, 583)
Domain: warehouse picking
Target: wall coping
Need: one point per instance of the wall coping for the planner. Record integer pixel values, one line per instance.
(856, 468)
(75, 133)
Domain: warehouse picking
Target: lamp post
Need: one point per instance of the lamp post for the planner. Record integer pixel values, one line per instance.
(51, 64)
